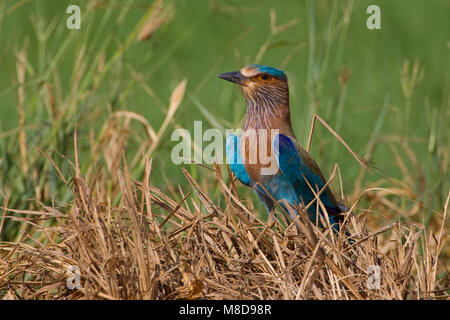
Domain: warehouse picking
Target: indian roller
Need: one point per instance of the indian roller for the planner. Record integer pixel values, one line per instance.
(295, 177)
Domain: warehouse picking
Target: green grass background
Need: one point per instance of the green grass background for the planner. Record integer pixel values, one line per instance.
(206, 38)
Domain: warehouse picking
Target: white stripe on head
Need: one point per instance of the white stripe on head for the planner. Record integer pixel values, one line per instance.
(249, 71)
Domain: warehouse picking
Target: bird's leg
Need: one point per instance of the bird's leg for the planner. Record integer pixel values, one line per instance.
(363, 162)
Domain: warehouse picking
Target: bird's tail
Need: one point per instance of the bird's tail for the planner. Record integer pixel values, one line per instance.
(336, 219)
(335, 216)
(336, 222)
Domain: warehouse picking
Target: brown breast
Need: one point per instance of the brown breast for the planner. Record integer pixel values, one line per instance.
(258, 156)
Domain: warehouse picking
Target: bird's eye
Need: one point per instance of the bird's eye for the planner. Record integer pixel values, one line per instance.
(264, 76)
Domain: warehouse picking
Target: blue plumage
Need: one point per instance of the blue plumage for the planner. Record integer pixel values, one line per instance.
(233, 151)
(297, 171)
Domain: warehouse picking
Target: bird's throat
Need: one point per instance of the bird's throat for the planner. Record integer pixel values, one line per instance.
(268, 117)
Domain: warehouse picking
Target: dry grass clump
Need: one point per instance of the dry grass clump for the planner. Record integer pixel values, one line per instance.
(151, 246)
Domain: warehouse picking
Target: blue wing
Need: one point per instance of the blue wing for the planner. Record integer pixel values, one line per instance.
(301, 170)
(233, 151)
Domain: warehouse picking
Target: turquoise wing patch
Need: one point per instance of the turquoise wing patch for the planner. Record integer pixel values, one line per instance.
(297, 171)
(234, 158)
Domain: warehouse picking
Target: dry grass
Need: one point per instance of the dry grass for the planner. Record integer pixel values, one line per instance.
(151, 246)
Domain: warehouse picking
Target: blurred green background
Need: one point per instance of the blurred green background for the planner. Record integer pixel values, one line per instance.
(371, 86)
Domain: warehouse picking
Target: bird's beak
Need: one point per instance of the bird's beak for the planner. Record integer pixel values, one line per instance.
(234, 76)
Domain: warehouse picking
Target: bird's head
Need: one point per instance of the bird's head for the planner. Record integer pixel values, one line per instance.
(260, 84)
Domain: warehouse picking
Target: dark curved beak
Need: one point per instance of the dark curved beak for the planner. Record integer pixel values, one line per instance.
(234, 76)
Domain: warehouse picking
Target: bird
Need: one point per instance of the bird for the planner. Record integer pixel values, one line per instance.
(275, 165)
